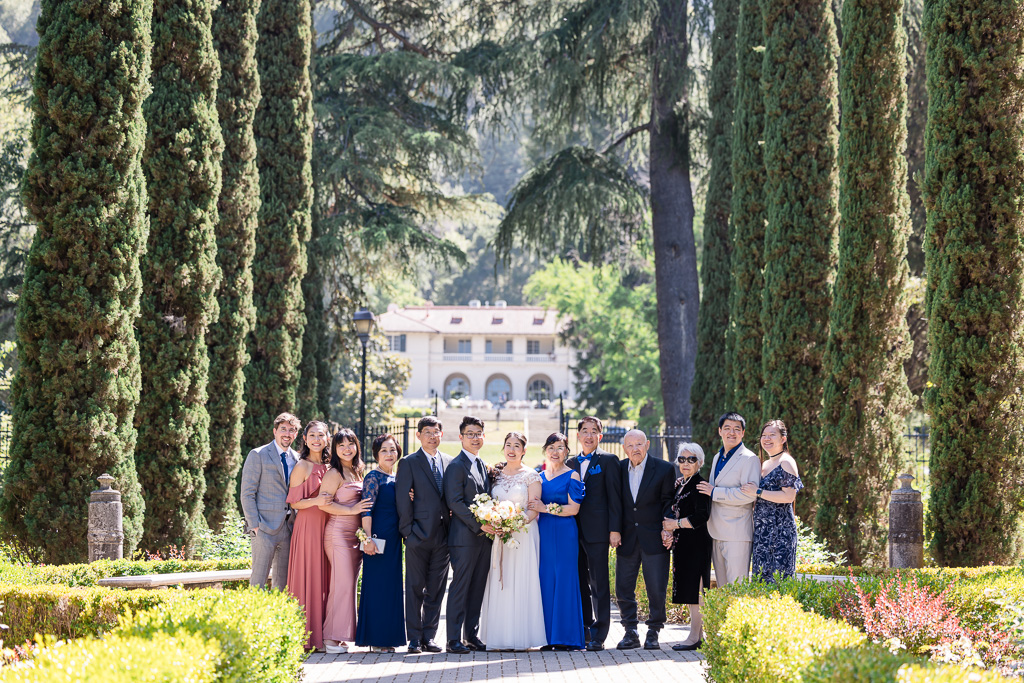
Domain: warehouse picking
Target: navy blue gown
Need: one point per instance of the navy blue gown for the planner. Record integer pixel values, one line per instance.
(775, 528)
(559, 565)
(381, 619)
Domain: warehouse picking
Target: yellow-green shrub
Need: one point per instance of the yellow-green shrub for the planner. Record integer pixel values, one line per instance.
(261, 633)
(67, 612)
(89, 574)
(875, 664)
(159, 659)
(769, 639)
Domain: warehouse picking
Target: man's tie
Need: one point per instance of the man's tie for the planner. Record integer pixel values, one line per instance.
(284, 462)
(437, 474)
(482, 471)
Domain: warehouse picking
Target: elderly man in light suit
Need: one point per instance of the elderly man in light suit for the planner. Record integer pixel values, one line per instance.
(268, 518)
(732, 511)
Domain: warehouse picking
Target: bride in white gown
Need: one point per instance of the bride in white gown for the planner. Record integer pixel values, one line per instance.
(512, 617)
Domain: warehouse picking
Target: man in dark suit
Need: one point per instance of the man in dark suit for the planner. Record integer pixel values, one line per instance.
(423, 522)
(599, 521)
(648, 487)
(468, 546)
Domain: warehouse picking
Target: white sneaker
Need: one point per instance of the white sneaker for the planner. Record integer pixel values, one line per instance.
(336, 649)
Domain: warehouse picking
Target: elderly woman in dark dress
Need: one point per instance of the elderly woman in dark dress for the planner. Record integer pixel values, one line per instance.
(687, 534)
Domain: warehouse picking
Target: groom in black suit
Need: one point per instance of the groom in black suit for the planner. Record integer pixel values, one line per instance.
(599, 521)
(648, 490)
(423, 521)
(469, 548)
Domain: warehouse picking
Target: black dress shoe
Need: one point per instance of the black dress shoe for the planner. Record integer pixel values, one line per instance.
(630, 641)
(474, 643)
(430, 646)
(414, 647)
(594, 646)
(457, 648)
(651, 641)
(547, 648)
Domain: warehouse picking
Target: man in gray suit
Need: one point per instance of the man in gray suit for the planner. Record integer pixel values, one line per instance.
(732, 511)
(268, 519)
(423, 521)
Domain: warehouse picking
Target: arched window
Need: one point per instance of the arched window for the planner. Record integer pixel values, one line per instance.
(539, 390)
(499, 390)
(456, 387)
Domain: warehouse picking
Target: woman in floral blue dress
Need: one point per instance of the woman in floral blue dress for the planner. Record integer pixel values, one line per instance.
(774, 521)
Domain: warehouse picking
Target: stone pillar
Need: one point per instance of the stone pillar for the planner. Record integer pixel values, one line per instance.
(106, 530)
(906, 526)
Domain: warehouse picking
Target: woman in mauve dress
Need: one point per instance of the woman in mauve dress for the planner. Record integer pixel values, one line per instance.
(308, 570)
(342, 489)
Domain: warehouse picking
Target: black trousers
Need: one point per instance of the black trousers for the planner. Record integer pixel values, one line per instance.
(466, 594)
(595, 589)
(426, 573)
(655, 569)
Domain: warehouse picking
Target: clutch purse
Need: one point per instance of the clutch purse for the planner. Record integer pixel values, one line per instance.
(379, 542)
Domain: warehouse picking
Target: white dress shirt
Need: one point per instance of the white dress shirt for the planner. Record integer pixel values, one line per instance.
(636, 475)
(584, 464)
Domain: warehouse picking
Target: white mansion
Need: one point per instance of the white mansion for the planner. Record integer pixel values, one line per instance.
(508, 355)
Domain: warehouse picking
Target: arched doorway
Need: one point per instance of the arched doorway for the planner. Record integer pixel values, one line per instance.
(499, 390)
(539, 390)
(456, 387)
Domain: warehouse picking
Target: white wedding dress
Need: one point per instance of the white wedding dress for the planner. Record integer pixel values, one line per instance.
(512, 616)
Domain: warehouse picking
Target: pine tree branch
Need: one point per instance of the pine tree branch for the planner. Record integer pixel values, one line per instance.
(358, 10)
(627, 135)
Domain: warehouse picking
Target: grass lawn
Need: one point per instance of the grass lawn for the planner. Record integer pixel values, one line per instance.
(492, 453)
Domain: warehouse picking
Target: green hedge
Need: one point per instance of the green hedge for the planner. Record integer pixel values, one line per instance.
(261, 633)
(772, 639)
(89, 574)
(160, 659)
(68, 612)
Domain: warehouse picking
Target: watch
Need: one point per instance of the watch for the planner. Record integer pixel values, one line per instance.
(758, 494)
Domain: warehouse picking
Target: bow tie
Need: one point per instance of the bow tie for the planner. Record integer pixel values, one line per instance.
(585, 458)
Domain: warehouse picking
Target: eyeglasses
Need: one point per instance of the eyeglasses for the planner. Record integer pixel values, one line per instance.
(473, 435)
(690, 459)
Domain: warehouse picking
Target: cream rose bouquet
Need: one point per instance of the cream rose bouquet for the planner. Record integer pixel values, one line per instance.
(504, 516)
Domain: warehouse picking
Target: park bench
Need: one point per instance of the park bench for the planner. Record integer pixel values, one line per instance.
(212, 579)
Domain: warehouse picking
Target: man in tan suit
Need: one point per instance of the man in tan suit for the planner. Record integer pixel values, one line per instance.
(732, 512)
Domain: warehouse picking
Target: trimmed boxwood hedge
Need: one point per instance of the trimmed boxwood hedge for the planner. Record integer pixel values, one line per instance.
(160, 659)
(89, 574)
(769, 639)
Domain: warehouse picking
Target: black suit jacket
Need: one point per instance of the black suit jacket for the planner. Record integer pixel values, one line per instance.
(462, 483)
(601, 510)
(642, 518)
(427, 516)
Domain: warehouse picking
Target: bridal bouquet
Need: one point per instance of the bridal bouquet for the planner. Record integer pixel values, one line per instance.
(505, 516)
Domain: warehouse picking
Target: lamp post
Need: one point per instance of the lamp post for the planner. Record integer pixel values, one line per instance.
(363, 320)
(433, 393)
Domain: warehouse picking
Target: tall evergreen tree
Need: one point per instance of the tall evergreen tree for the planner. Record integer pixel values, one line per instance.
(314, 372)
(711, 381)
(180, 273)
(866, 398)
(800, 148)
(749, 213)
(284, 140)
(77, 388)
(974, 248)
(238, 94)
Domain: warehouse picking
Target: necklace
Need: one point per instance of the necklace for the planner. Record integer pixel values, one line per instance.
(687, 481)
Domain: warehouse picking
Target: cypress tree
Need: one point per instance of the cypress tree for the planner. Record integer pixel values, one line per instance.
(284, 140)
(743, 339)
(866, 398)
(182, 164)
(314, 372)
(77, 387)
(710, 381)
(800, 148)
(238, 94)
(974, 250)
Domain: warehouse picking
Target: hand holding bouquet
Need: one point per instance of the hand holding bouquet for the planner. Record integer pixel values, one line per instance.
(554, 509)
(504, 516)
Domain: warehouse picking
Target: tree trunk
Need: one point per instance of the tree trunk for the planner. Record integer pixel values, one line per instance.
(675, 254)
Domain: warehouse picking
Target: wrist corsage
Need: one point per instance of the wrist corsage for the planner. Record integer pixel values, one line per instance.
(554, 509)
(362, 536)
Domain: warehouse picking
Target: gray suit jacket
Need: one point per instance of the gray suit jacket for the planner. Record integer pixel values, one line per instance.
(732, 511)
(428, 515)
(264, 489)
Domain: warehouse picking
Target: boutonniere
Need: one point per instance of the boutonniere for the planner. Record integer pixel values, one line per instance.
(596, 469)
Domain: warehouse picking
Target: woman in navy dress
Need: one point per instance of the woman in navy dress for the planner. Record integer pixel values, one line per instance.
(559, 548)
(381, 621)
(774, 521)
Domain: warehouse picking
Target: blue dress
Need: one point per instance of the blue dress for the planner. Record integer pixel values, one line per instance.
(559, 565)
(381, 619)
(775, 528)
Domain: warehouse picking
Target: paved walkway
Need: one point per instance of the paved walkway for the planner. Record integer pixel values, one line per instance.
(611, 665)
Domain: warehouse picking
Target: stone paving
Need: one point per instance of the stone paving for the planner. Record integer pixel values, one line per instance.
(611, 665)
